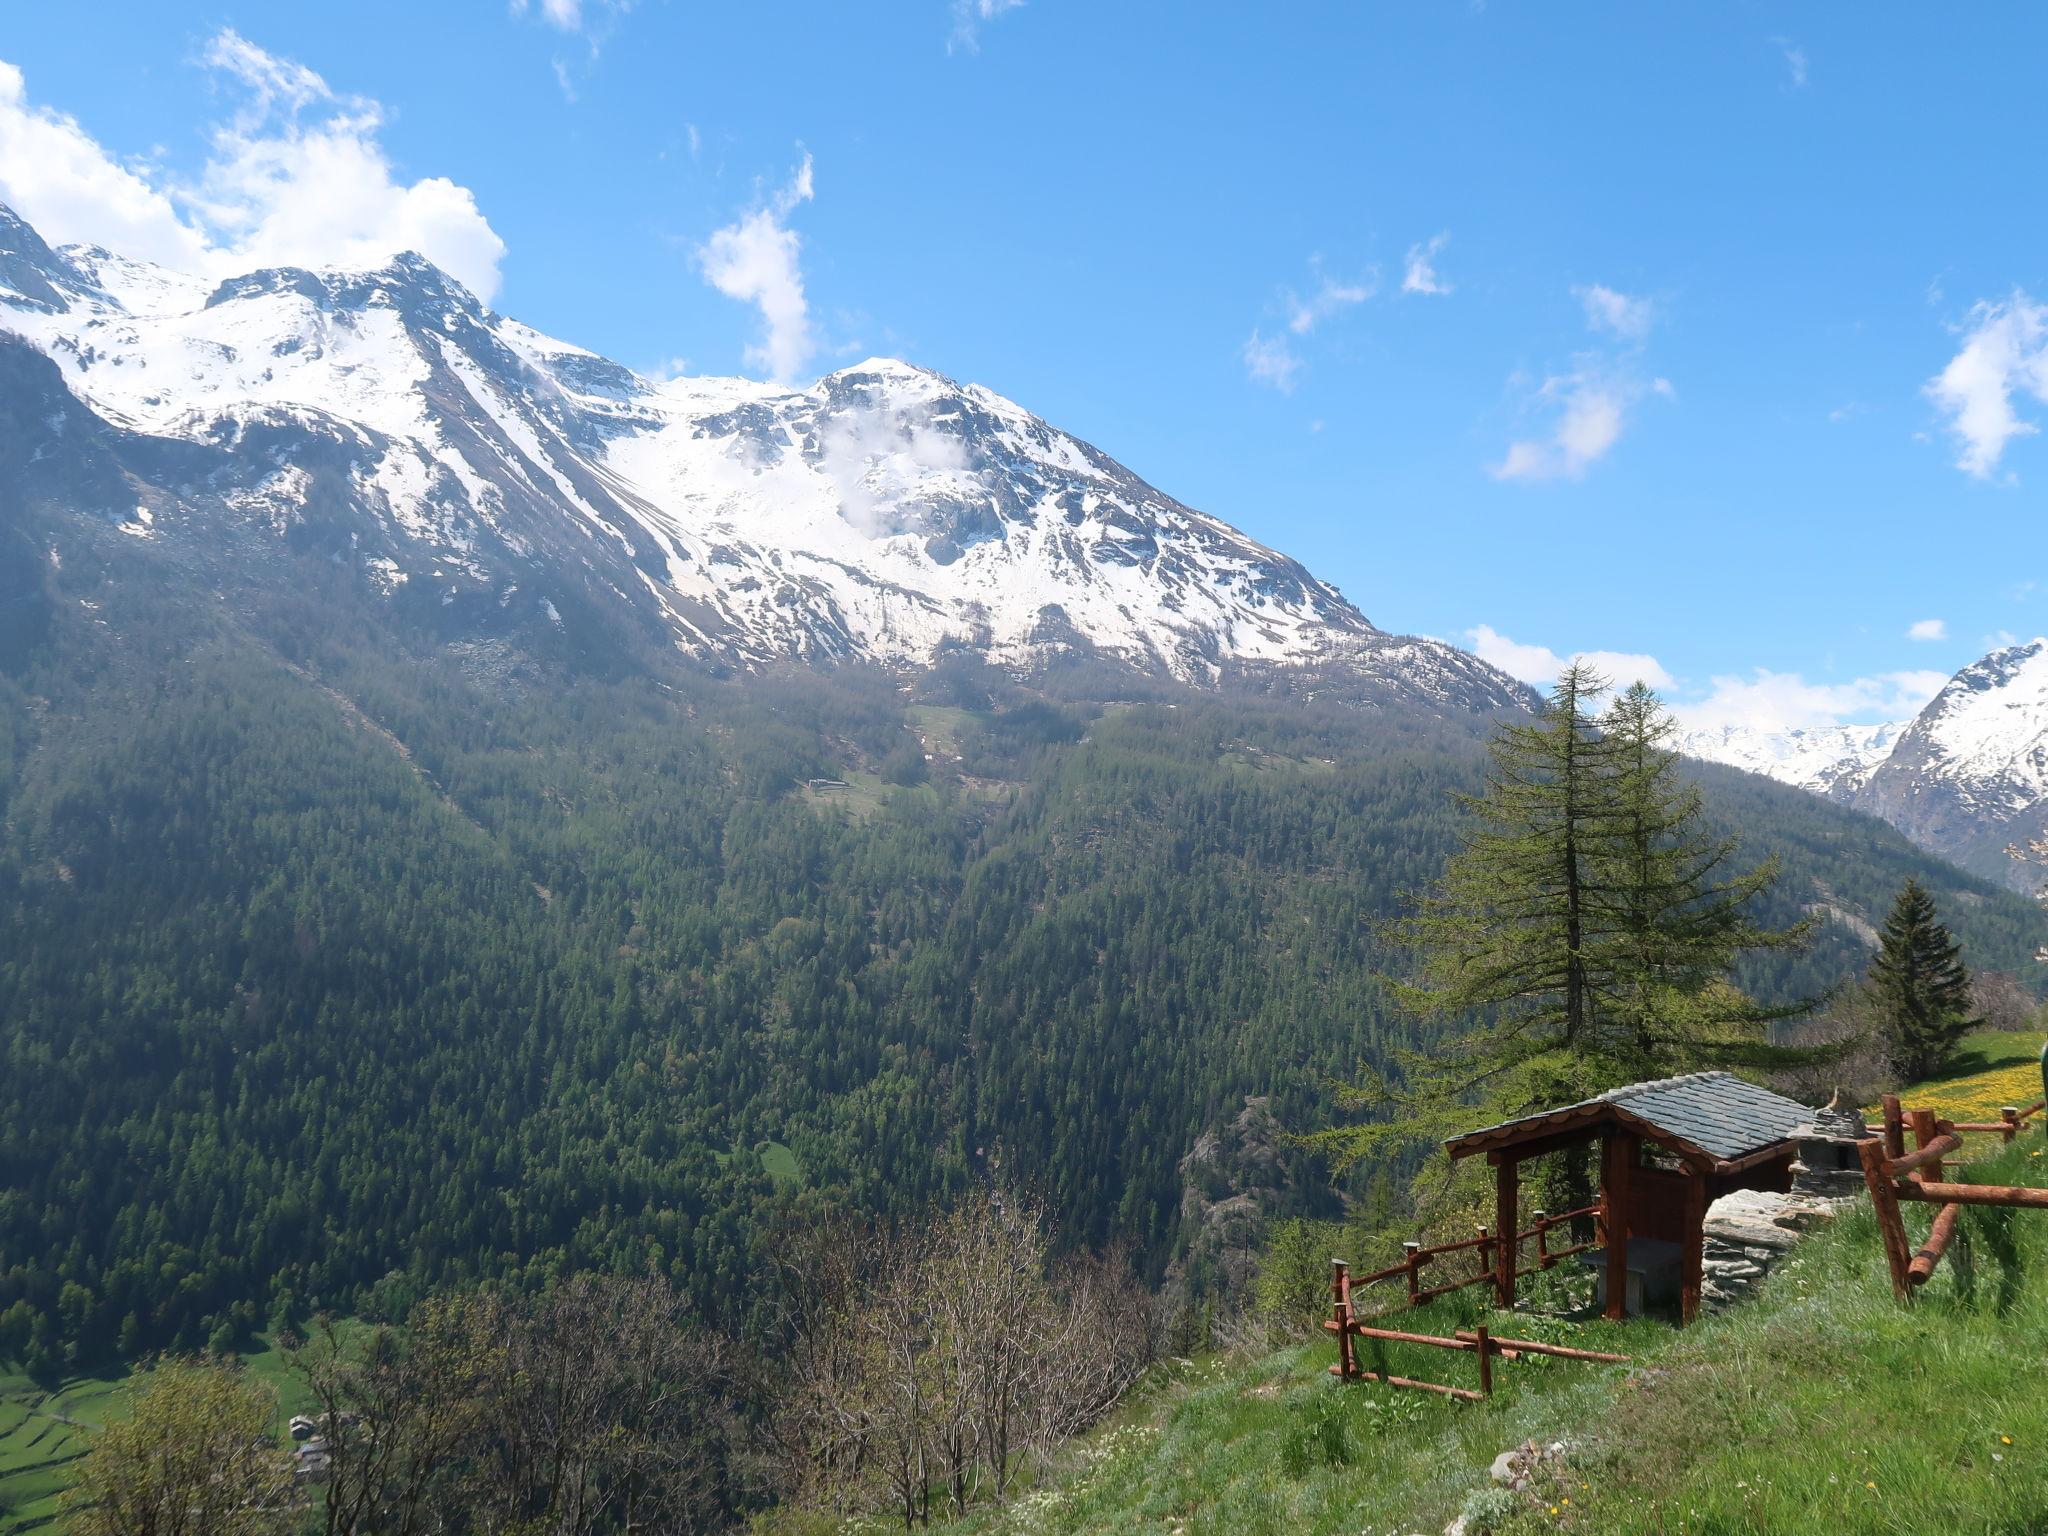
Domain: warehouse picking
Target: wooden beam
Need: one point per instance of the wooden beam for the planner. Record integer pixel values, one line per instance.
(1944, 1230)
(1885, 1202)
(1507, 1222)
(1462, 1394)
(1692, 1250)
(1532, 1347)
(1617, 1160)
(1894, 1126)
(1975, 1194)
(1927, 1137)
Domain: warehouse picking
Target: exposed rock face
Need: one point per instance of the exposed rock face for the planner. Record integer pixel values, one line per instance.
(1750, 1231)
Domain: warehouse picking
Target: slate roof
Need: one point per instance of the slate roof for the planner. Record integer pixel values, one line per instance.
(1715, 1112)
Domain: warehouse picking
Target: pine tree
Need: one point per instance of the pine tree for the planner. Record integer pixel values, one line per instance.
(1921, 986)
(1513, 932)
(1679, 911)
(1584, 934)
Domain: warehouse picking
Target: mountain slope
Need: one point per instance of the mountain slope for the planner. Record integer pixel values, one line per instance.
(1966, 778)
(883, 514)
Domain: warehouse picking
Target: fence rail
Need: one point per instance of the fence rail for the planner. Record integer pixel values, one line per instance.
(1893, 1175)
(1474, 1341)
(1498, 1253)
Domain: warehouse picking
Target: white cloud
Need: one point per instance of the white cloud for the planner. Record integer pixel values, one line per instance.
(1609, 309)
(1330, 297)
(1795, 60)
(574, 15)
(881, 464)
(1591, 405)
(1270, 361)
(1540, 665)
(296, 177)
(1420, 275)
(1785, 701)
(757, 260)
(969, 16)
(2005, 348)
(1927, 629)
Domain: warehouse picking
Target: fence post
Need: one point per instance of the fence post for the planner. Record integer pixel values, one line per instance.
(1878, 1177)
(1924, 1131)
(1485, 1361)
(1340, 1312)
(1412, 1252)
(1895, 1125)
(2011, 1116)
(1542, 1242)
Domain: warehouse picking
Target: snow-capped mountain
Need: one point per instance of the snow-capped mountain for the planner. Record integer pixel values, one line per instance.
(1825, 759)
(884, 513)
(1969, 777)
(1966, 778)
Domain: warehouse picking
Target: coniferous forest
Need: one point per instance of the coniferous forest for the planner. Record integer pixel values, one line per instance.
(340, 964)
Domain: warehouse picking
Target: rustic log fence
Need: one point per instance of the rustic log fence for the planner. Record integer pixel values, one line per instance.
(1479, 1342)
(1894, 1175)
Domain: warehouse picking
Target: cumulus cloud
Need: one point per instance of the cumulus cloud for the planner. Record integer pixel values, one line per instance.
(1617, 313)
(758, 260)
(1329, 297)
(1785, 701)
(969, 16)
(295, 177)
(2004, 351)
(1539, 664)
(1269, 360)
(1927, 629)
(1420, 275)
(1590, 405)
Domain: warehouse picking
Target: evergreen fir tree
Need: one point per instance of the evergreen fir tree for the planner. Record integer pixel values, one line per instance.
(1921, 987)
(1680, 912)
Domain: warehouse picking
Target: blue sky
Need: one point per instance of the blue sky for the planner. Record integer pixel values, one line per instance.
(1708, 334)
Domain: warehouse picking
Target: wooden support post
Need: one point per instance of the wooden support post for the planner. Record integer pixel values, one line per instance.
(1924, 1132)
(1412, 1252)
(1692, 1249)
(1543, 1258)
(1340, 1316)
(1485, 1253)
(1894, 1126)
(1485, 1361)
(1507, 1222)
(1877, 1178)
(2010, 1118)
(1617, 1160)
(1938, 1238)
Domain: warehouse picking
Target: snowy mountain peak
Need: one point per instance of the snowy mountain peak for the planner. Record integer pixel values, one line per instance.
(884, 513)
(1823, 758)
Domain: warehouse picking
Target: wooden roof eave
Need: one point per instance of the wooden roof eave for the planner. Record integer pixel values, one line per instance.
(1545, 1133)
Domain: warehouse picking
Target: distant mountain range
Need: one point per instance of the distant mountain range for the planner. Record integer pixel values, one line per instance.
(1966, 778)
(460, 462)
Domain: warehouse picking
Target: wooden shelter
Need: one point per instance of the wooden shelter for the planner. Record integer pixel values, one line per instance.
(1668, 1150)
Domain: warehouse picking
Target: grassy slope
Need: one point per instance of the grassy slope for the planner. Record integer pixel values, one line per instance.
(42, 1433)
(1993, 1069)
(1778, 1416)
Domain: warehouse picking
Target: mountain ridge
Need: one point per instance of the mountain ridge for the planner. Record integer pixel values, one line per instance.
(885, 513)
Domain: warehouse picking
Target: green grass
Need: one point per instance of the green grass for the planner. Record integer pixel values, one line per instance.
(1994, 1068)
(43, 1432)
(1773, 1417)
(777, 1161)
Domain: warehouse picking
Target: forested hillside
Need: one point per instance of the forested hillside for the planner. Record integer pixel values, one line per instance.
(337, 962)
